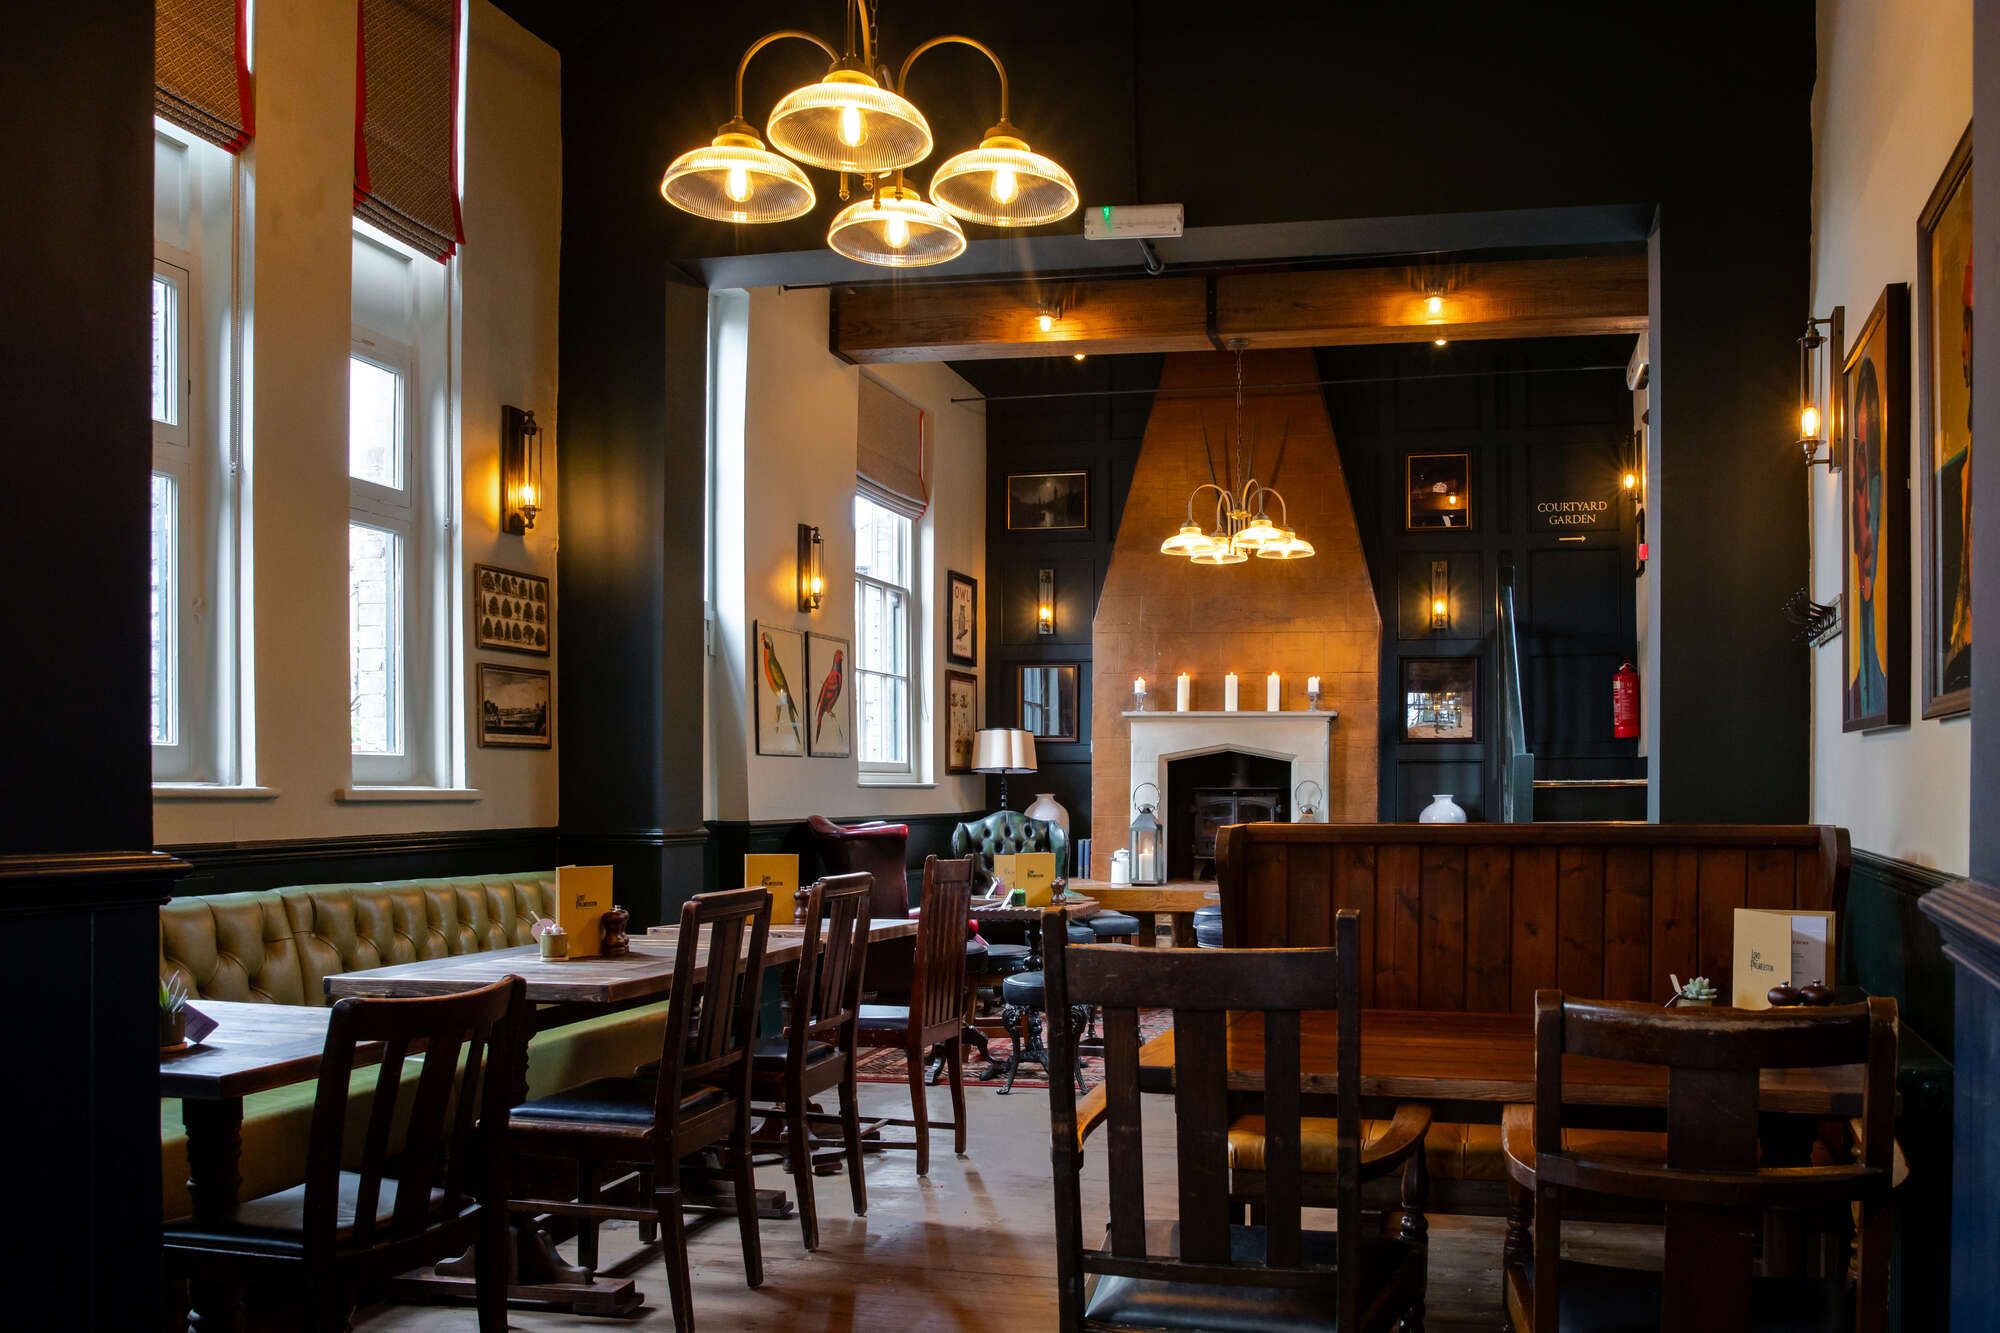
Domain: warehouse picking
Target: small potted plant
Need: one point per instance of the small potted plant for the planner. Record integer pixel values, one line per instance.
(173, 1012)
(1698, 993)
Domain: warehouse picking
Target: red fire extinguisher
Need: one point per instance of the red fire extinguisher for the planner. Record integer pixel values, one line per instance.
(1625, 702)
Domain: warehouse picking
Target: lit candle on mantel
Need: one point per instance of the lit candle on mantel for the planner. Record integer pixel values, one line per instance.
(1271, 693)
(1229, 693)
(1312, 684)
(1139, 694)
(1181, 686)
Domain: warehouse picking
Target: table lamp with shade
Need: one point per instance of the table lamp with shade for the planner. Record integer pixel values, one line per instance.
(1003, 750)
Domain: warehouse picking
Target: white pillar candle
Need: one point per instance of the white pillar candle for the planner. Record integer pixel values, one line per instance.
(1139, 692)
(1312, 684)
(1181, 693)
(1229, 693)
(1271, 693)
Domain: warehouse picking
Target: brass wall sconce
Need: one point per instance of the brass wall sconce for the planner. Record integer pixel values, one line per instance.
(1817, 406)
(521, 494)
(1045, 603)
(812, 576)
(1440, 596)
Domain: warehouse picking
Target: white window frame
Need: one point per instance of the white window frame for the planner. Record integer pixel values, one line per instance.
(910, 770)
(173, 459)
(396, 510)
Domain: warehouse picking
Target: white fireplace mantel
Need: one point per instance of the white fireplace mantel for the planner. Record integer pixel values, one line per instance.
(1301, 739)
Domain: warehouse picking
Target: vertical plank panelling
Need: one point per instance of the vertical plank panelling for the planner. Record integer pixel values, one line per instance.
(1676, 912)
(1354, 886)
(1311, 898)
(1628, 927)
(1580, 914)
(1534, 964)
(1489, 928)
(1266, 889)
(1441, 972)
(1771, 873)
(1812, 884)
(1397, 935)
(1724, 884)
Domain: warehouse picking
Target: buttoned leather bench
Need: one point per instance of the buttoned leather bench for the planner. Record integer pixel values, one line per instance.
(278, 946)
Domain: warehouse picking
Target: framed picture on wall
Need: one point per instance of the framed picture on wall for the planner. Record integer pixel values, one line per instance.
(961, 720)
(962, 605)
(830, 729)
(1046, 695)
(515, 708)
(1437, 492)
(1944, 442)
(778, 670)
(511, 610)
(1440, 698)
(1048, 501)
(1875, 519)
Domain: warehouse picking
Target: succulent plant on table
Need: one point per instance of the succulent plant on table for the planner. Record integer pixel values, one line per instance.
(173, 1011)
(1698, 993)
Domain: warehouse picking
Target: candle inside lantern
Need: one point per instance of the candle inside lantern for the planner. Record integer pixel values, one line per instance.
(1139, 692)
(1229, 693)
(1181, 693)
(1271, 693)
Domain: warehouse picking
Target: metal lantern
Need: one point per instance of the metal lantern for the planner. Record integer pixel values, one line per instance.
(1305, 802)
(1149, 859)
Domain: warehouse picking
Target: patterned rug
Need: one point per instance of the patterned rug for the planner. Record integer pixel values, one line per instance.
(887, 1066)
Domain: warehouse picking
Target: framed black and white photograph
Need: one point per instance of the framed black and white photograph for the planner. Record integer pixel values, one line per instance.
(1440, 698)
(1047, 695)
(515, 708)
(962, 605)
(1437, 492)
(1048, 501)
(961, 720)
(778, 673)
(829, 677)
(511, 610)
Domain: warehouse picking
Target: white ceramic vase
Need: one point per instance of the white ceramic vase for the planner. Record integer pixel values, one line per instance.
(1049, 810)
(1442, 810)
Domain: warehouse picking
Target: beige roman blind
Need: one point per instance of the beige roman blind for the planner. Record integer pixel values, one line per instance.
(406, 122)
(201, 70)
(889, 459)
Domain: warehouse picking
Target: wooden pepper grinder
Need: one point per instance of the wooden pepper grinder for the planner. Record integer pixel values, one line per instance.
(616, 943)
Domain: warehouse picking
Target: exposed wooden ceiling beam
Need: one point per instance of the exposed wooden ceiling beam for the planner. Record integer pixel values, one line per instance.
(1525, 298)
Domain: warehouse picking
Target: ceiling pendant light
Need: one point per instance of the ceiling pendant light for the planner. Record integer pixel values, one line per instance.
(848, 122)
(1243, 525)
(1001, 183)
(737, 179)
(896, 228)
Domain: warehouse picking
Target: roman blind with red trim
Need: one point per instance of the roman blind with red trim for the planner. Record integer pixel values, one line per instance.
(201, 69)
(406, 122)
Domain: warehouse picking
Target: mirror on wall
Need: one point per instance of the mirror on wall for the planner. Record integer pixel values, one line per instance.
(1047, 696)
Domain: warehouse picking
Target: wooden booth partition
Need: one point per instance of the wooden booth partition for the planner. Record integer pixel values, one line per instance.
(1477, 917)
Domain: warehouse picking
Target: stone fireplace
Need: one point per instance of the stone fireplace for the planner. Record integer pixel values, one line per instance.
(1160, 615)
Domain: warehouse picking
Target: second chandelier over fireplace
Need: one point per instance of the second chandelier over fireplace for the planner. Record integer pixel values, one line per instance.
(1243, 525)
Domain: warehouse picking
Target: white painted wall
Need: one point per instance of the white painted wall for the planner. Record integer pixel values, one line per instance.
(786, 427)
(1894, 95)
(301, 167)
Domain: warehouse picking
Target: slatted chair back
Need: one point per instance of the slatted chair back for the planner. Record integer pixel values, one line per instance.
(711, 1029)
(826, 993)
(1203, 988)
(937, 993)
(1712, 1186)
(471, 1046)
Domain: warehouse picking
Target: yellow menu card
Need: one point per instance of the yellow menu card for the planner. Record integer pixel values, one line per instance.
(583, 896)
(1033, 871)
(778, 874)
(1774, 946)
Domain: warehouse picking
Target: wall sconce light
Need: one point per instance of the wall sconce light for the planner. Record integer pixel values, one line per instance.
(521, 492)
(1440, 595)
(812, 580)
(1045, 603)
(1816, 384)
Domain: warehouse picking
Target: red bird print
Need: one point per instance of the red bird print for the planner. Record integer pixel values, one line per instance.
(829, 693)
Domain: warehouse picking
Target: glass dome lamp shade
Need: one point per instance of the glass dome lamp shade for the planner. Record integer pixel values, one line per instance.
(1258, 532)
(848, 122)
(896, 228)
(1289, 546)
(1190, 540)
(1002, 184)
(736, 179)
(1222, 551)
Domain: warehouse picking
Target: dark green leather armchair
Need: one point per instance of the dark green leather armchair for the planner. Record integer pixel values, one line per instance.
(1005, 833)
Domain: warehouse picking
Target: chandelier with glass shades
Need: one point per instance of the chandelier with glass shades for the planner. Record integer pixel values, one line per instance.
(857, 121)
(1242, 525)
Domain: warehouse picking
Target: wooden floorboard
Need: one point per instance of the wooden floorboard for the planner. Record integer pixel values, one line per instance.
(968, 1247)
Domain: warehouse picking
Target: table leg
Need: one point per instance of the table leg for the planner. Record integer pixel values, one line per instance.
(1149, 930)
(1183, 923)
(215, 1158)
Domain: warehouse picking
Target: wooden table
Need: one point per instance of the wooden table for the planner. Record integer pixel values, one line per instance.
(1479, 1062)
(1074, 907)
(1177, 901)
(254, 1047)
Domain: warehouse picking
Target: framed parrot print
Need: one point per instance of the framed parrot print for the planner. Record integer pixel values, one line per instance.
(830, 721)
(778, 689)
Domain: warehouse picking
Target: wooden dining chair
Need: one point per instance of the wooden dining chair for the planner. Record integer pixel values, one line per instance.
(816, 1052)
(1711, 1187)
(1205, 1269)
(342, 1229)
(698, 1099)
(935, 1015)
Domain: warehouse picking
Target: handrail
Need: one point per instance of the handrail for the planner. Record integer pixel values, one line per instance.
(1517, 787)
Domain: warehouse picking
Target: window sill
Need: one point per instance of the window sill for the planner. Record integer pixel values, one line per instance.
(907, 784)
(211, 791)
(405, 795)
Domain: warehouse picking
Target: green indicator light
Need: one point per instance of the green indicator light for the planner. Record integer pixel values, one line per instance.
(1107, 213)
